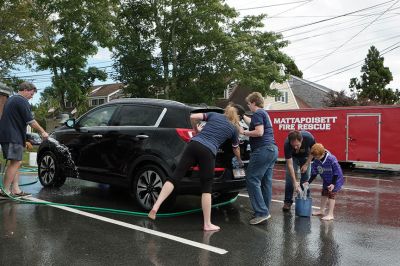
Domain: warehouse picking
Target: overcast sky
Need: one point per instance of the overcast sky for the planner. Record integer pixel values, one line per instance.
(337, 44)
(323, 49)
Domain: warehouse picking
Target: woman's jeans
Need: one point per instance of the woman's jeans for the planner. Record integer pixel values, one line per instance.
(289, 189)
(259, 178)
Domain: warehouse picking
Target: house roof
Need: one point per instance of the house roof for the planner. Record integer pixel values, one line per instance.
(310, 93)
(4, 90)
(237, 96)
(307, 94)
(301, 103)
(105, 90)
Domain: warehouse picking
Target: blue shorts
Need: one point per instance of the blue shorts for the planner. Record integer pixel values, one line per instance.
(12, 151)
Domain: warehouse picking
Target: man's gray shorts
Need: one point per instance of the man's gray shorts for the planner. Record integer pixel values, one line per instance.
(12, 151)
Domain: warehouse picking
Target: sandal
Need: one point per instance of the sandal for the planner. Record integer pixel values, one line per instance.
(21, 194)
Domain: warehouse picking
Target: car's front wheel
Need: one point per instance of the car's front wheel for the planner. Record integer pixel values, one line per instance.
(50, 174)
(146, 186)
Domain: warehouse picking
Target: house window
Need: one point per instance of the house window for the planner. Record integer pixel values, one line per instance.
(283, 98)
(101, 101)
(94, 102)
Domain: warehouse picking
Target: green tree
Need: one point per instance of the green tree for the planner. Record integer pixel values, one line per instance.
(335, 99)
(48, 100)
(191, 50)
(292, 69)
(374, 79)
(17, 34)
(71, 31)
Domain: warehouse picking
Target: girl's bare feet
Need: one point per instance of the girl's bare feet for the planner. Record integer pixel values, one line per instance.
(211, 227)
(327, 218)
(152, 214)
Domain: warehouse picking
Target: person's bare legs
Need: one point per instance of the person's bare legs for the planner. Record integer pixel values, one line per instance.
(331, 206)
(322, 207)
(10, 174)
(206, 206)
(15, 189)
(166, 190)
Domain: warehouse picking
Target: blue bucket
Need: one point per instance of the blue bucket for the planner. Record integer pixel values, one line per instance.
(303, 207)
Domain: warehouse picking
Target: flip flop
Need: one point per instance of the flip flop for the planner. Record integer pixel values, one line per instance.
(22, 194)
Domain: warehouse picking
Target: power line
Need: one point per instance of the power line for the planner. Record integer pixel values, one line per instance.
(339, 29)
(349, 49)
(346, 42)
(89, 65)
(290, 9)
(394, 48)
(332, 18)
(187, 59)
(353, 22)
(47, 77)
(355, 64)
(282, 4)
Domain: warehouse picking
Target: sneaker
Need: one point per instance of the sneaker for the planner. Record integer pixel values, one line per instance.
(286, 207)
(260, 219)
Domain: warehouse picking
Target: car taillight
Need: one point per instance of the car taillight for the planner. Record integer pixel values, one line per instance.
(185, 133)
(216, 169)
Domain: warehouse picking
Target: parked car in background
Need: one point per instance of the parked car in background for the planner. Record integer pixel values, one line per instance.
(33, 138)
(134, 143)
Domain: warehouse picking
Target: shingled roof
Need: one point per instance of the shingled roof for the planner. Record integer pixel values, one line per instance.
(105, 90)
(310, 93)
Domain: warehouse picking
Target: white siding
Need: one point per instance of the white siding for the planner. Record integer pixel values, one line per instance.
(289, 103)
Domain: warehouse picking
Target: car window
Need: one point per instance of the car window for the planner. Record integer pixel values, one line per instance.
(99, 117)
(35, 136)
(137, 115)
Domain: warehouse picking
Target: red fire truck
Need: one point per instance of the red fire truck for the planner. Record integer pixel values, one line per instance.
(353, 134)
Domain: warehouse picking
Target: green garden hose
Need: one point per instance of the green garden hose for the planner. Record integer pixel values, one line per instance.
(108, 210)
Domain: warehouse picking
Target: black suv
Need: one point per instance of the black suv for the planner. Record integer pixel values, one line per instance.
(135, 143)
(33, 138)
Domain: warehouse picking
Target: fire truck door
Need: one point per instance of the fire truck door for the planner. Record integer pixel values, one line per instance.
(363, 137)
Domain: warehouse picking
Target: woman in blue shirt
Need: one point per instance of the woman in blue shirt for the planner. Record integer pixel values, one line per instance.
(202, 150)
(263, 156)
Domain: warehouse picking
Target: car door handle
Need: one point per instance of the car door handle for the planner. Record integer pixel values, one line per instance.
(142, 136)
(97, 136)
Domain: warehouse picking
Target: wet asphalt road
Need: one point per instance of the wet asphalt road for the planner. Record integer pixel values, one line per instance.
(365, 230)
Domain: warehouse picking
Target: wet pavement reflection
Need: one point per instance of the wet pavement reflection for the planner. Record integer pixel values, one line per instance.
(365, 230)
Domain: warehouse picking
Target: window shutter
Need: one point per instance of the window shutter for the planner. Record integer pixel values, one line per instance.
(286, 97)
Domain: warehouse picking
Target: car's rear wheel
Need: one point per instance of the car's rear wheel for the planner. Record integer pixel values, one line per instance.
(50, 174)
(146, 186)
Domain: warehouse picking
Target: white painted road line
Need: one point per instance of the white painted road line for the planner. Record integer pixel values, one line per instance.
(346, 188)
(280, 201)
(137, 228)
(355, 177)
